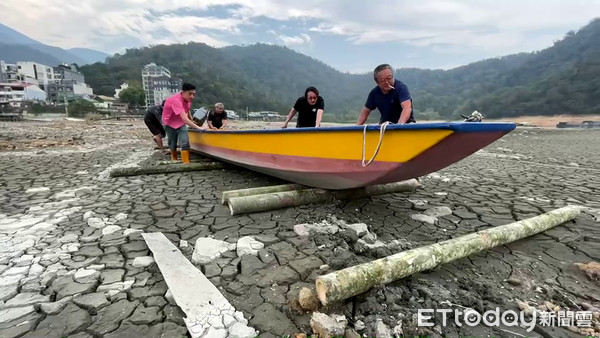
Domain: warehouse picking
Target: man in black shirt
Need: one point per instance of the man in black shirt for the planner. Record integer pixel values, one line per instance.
(153, 119)
(217, 118)
(310, 109)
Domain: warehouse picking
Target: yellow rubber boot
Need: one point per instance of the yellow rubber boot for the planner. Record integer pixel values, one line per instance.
(174, 155)
(185, 156)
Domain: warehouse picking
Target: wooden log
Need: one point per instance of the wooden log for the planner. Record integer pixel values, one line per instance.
(170, 162)
(357, 279)
(257, 191)
(285, 199)
(165, 169)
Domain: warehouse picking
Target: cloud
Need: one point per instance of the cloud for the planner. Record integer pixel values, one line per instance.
(444, 26)
(299, 40)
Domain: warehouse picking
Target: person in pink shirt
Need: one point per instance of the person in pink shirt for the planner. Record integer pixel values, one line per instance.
(176, 118)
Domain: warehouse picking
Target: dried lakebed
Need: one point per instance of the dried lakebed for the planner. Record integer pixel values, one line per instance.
(73, 261)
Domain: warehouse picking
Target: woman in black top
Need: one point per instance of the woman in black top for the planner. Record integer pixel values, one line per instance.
(310, 109)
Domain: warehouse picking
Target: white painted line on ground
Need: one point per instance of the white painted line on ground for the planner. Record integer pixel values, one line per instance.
(208, 311)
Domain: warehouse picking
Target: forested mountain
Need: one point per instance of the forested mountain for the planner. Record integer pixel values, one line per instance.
(562, 79)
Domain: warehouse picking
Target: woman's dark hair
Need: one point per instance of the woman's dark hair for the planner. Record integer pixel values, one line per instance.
(311, 89)
(187, 86)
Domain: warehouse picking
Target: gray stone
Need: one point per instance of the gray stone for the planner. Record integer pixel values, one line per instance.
(280, 275)
(424, 218)
(90, 251)
(135, 246)
(301, 230)
(55, 307)
(229, 272)
(80, 265)
(267, 239)
(146, 315)
(212, 270)
(381, 329)
(250, 265)
(329, 326)
(268, 319)
(174, 314)
(360, 229)
(95, 222)
(108, 318)
(86, 276)
(167, 329)
(239, 330)
(23, 299)
(208, 249)
(266, 257)
(110, 229)
(157, 301)
(323, 228)
(438, 211)
(141, 279)
(7, 292)
(20, 326)
(10, 314)
(24, 260)
(306, 265)
(17, 270)
(71, 319)
(143, 262)
(92, 301)
(110, 276)
(248, 246)
(370, 238)
(75, 288)
(118, 286)
(65, 286)
(68, 238)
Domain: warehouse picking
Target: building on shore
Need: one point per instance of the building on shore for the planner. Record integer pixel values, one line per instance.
(59, 83)
(16, 94)
(158, 84)
(118, 90)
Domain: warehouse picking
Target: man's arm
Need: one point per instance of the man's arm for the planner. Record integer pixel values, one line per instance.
(186, 118)
(406, 108)
(289, 117)
(224, 123)
(319, 117)
(210, 125)
(364, 115)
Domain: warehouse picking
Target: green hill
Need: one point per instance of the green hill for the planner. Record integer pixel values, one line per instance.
(562, 79)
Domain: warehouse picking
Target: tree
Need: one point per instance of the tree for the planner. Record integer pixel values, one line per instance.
(135, 96)
(80, 107)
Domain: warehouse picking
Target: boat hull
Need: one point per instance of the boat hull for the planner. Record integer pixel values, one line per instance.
(307, 156)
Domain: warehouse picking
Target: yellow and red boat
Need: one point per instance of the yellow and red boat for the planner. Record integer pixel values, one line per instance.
(349, 156)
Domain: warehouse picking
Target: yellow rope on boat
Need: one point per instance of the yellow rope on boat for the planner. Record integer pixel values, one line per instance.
(381, 133)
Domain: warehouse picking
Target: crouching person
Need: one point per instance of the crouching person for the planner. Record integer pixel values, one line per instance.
(176, 118)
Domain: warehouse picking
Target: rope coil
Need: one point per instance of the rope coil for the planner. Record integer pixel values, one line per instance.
(381, 133)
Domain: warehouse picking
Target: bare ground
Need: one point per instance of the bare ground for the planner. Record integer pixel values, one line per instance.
(526, 173)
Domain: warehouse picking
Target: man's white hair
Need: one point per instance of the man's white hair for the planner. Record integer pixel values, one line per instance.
(219, 104)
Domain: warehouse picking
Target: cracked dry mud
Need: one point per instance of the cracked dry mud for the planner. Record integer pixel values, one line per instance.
(69, 237)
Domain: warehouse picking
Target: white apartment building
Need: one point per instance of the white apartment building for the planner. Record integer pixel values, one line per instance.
(42, 74)
(16, 93)
(118, 90)
(158, 84)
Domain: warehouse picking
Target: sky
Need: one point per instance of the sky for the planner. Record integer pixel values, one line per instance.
(349, 35)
